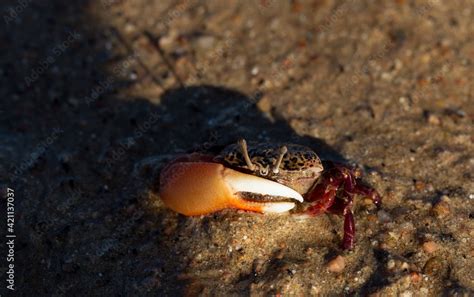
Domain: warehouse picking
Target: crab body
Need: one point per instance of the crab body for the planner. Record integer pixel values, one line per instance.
(263, 178)
(292, 165)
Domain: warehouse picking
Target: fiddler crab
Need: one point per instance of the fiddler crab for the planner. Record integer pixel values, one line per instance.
(263, 178)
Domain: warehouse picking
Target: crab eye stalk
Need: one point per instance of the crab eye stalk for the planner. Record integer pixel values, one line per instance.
(245, 153)
(283, 151)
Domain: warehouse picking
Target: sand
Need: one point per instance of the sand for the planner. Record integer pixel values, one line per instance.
(97, 96)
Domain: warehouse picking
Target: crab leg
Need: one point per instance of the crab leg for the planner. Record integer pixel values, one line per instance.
(326, 199)
(368, 192)
(349, 229)
(324, 194)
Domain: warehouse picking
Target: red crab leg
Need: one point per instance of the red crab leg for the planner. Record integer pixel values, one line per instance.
(349, 230)
(368, 192)
(324, 195)
(344, 207)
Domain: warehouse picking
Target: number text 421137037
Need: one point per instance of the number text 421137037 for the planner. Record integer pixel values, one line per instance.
(10, 239)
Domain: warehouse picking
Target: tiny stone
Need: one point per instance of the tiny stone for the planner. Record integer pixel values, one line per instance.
(441, 209)
(445, 198)
(206, 42)
(367, 202)
(129, 27)
(265, 104)
(420, 186)
(405, 265)
(315, 289)
(434, 120)
(371, 218)
(426, 58)
(430, 188)
(166, 41)
(384, 217)
(391, 264)
(433, 266)
(386, 76)
(415, 277)
(430, 247)
(337, 264)
(254, 70)
(133, 75)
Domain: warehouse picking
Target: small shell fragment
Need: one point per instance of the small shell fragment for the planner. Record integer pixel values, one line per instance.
(337, 264)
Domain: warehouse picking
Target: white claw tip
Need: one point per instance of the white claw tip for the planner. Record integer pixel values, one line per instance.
(240, 182)
(278, 207)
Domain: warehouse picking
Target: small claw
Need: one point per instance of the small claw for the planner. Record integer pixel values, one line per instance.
(197, 188)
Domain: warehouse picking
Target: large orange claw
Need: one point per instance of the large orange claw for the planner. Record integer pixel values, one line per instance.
(194, 188)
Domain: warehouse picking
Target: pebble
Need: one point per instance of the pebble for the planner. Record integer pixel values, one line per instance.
(406, 294)
(384, 217)
(167, 41)
(405, 266)
(337, 264)
(433, 266)
(420, 186)
(441, 209)
(415, 277)
(206, 42)
(315, 290)
(391, 264)
(265, 104)
(372, 218)
(254, 70)
(129, 27)
(434, 120)
(430, 247)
